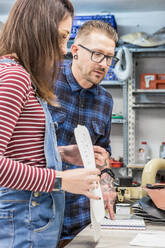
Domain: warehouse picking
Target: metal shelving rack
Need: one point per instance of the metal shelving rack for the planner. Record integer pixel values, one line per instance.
(124, 121)
(134, 92)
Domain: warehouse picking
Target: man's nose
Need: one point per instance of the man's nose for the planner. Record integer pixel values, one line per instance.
(104, 62)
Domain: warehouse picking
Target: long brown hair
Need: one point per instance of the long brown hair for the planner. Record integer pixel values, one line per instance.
(31, 32)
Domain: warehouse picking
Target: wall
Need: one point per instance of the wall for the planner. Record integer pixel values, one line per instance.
(130, 21)
(140, 21)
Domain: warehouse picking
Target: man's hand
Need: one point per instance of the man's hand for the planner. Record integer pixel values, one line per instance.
(102, 157)
(109, 193)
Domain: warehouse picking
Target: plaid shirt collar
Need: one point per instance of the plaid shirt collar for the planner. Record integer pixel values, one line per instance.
(73, 83)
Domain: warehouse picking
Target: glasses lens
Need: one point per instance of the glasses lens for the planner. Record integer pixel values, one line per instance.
(97, 57)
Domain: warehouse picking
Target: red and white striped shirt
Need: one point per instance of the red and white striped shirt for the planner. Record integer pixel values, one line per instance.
(22, 130)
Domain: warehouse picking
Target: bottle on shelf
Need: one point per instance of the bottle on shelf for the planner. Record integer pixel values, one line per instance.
(143, 153)
(162, 150)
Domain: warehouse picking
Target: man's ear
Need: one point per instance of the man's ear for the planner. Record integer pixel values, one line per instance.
(74, 49)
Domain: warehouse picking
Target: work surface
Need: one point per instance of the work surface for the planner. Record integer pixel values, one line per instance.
(110, 238)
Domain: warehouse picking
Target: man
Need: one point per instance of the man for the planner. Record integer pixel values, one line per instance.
(83, 101)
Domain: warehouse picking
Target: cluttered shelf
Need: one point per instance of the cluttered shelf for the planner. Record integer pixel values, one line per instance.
(118, 121)
(148, 105)
(137, 49)
(149, 91)
(135, 166)
(132, 48)
(112, 83)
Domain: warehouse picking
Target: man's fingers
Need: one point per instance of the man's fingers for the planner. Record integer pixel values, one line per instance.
(99, 159)
(99, 149)
(111, 211)
(101, 156)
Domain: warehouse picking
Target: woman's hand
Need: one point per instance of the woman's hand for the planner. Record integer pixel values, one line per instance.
(80, 181)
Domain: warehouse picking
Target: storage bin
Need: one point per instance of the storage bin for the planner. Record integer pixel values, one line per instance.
(152, 81)
(79, 20)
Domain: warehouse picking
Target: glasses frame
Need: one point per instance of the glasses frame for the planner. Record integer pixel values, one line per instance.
(112, 58)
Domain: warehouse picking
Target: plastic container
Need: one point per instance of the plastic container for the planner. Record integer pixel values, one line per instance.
(144, 153)
(162, 150)
(123, 209)
(116, 164)
(79, 20)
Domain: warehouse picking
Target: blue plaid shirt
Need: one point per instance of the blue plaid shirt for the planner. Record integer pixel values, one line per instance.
(92, 108)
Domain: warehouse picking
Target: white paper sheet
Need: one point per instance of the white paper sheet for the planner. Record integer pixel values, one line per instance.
(149, 239)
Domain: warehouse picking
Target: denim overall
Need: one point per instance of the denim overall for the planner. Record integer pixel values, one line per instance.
(32, 219)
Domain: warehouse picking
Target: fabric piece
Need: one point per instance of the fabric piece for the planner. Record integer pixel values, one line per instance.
(146, 208)
(157, 196)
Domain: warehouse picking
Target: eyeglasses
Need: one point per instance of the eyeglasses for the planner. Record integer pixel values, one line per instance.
(99, 57)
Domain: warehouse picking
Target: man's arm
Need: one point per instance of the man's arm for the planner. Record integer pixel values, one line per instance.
(109, 193)
(102, 158)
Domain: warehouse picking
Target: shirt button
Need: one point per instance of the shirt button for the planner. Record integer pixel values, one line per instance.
(36, 194)
(34, 203)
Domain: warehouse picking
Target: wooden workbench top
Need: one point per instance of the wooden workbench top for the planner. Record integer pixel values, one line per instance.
(109, 238)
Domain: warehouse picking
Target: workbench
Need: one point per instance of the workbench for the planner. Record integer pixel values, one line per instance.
(110, 238)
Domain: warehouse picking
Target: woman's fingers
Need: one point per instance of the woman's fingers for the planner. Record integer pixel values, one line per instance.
(93, 185)
(80, 181)
(93, 178)
(91, 195)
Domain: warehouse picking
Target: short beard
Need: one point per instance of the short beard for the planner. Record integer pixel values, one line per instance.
(94, 82)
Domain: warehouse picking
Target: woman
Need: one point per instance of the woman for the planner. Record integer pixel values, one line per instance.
(31, 200)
